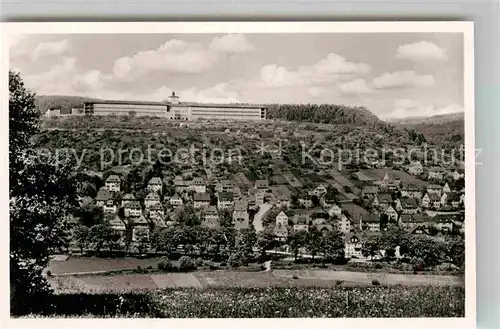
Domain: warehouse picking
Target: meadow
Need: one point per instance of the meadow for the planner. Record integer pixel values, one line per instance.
(269, 302)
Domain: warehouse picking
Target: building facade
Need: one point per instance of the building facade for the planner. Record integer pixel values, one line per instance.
(173, 109)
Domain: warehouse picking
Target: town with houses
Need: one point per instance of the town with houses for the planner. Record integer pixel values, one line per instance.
(436, 208)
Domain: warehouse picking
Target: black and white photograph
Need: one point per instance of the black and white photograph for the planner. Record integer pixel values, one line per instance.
(257, 170)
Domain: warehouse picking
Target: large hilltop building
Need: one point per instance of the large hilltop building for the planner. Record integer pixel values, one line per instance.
(173, 109)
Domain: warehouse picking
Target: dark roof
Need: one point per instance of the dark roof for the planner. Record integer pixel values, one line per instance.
(226, 196)
(201, 197)
(103, 195)
(417, 218)
(434, 197)
(372, 218)
(113, 178)
(133, 204)
(408, 203)
(384, 197)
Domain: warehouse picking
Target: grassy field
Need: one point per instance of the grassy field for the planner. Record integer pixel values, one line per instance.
(270, 302)
(89, 264)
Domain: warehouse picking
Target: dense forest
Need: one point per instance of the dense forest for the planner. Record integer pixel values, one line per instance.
(444, 130)
(324, 113)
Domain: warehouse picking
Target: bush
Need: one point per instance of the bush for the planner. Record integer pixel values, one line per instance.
(149, 267)
(223, 264)
(378, 266)
(199, 262)
(338, 282)
(375, 282)
(49, 273)
(165, 264)
(214, 266)
(186, 263)
(295, 277)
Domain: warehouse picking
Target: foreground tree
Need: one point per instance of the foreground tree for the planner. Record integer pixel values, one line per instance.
(41, 196)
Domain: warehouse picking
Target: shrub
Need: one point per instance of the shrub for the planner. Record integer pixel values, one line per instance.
(49, 273)
(338, 282)
(165, 264)
(149, 267)
(199, 262)
(186, 263)
(375, 282)
(234, 261)
(295, 277)
(378, 266)
(214, 266)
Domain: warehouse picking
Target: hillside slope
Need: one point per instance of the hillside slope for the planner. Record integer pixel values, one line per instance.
(441, 129)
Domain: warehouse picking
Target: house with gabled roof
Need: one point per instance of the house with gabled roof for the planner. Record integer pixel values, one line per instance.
(198, 185)
(415, 168)
(370, 222)
(391, 213)
(435, 173)
(305, 202)
(446, 188)
(458, 173)
(127, 198)
(353, 246)
(241, 217)
(201, 200)
(369, 191)
(431, 200)
(151, 199)
(382, 200)
(420, 230)
(344, 224)
(155, 185)
(301, 222)
(156, 210)
(113, 183)
(118, 226)
(411, 191)
(176, 201)
(109, 207)
(133, 209)
(409, 206)
(262, 185)
(225, 200)
(139, 224)
(412, 221)
(210, 217)
(335, 210)
(319, 190)
(102, 197)
(434, 188)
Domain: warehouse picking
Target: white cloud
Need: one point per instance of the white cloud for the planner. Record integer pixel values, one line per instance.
(278, 76)
(421, 51)
(404, 108)
(400, 79)
(358, 86)
(329, 69)
(220, 93)
(174, 56)
(53, 48)
(315, 91)
(231, 43)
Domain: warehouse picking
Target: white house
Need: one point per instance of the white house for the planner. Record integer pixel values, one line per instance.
(335, 210)
(151, 199)
(198, 185)
(415, 168)
(176, 201)
(225, 200)
(344, 224)
(133, 209)
(109, 207)
(353, 246)
(113, 183)
(201, 200)
(319, 190)
(155, 184)
(391, 213)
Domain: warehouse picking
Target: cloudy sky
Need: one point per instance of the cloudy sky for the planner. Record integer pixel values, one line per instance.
(393, 74)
